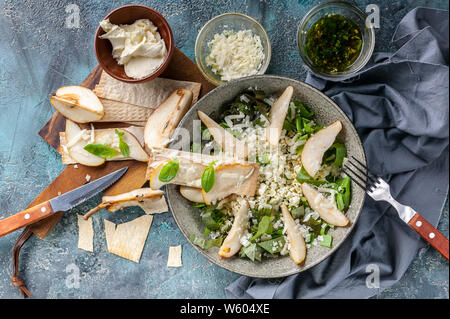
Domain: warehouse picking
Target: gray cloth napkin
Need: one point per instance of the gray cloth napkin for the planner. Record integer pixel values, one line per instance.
(400, 106)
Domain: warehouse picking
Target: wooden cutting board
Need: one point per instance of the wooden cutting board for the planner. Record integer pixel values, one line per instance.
(180, 68)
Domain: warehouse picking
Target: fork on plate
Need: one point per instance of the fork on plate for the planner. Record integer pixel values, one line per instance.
(379, 190)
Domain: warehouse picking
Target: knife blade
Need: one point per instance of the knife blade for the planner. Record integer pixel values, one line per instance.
(60, 203)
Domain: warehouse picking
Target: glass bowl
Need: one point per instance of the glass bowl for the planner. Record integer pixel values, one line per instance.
(348, 10)
(230, 22)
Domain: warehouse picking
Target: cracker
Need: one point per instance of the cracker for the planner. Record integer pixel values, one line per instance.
(128, 239)
(174, 259)
(148, 94)
(85, 234)
(116, 111)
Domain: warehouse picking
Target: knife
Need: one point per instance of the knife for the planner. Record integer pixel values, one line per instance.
(61, 203)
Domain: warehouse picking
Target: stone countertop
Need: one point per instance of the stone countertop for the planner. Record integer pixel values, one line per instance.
(38, 54)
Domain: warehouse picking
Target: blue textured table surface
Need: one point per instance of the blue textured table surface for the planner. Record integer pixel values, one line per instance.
(38, 54)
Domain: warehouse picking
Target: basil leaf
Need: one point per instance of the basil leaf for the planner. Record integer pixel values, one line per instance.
(101, 150)
(169, 171)
(208, 178)
(124, 148)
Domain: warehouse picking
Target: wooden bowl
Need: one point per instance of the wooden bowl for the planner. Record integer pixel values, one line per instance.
(127, 15)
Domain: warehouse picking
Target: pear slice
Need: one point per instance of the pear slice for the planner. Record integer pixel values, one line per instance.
(297, 247)
(317, 145)
(232, 243)
(191, 166)
(191, 193)
(165, 118)
(229, 143)
(277, 116)
(77, 151)
(78, 104)
(232, 179)
(324, 206)
(188, 174)
(151, 201)
(109, 137)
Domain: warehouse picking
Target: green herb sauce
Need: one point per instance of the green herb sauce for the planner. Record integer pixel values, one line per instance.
(333, 43)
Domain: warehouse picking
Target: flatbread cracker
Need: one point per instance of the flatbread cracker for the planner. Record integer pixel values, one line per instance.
(174, 259)
(128, 239)
(116, 111)
(148, 94)
(85, 234)
(110, 228)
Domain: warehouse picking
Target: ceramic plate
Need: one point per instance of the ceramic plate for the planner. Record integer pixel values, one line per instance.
(326, 112)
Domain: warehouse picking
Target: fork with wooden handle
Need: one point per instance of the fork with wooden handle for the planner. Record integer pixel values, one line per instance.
(379, 190)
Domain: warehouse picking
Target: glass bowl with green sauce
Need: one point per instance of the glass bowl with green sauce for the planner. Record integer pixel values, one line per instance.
(333, 39)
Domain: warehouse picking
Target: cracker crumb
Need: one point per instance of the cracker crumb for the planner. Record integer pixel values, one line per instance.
(174, 259)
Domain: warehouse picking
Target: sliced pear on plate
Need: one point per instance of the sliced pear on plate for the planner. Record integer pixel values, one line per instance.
(165, 118)
(232, 243)
(324, 206)
(230, 144)
(191, 193)
(317, 145)
(277, 116)
(297, 246)
(76, 150)
(230, 179)
(78, 104)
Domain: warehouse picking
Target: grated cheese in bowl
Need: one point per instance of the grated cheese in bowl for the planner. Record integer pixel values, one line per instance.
(235, 54)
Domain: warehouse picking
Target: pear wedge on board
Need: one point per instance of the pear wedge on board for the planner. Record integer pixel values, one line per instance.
(165, 118)
(78, 104)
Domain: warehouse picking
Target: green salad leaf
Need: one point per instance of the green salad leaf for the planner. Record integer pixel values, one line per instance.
(264, 227)
(252, 251)
(206, 243)
(273, 246)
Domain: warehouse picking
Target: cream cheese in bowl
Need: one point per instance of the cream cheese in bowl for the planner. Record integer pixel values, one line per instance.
(137, 46)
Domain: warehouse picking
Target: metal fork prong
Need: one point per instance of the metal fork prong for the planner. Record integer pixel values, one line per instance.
(353, 179)
(361, 179)
(366, 173)
(364, 166)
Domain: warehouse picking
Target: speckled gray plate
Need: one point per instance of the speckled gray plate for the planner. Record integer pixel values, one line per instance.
(188, 217)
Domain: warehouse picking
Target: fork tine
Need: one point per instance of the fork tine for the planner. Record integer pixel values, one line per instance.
(364, 166)
(354, 180)
(369, 183)
(373, 180)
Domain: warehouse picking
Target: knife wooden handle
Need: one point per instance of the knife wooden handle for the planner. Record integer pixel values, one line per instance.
(430, 234)
(25, 218)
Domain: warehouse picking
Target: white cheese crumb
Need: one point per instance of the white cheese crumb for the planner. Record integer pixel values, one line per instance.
(88, 177)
